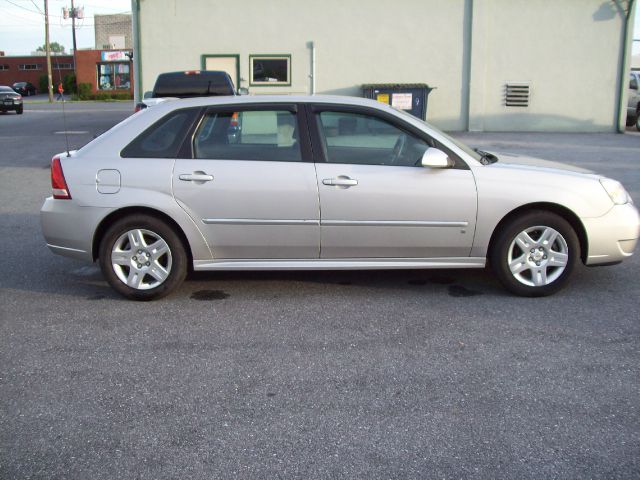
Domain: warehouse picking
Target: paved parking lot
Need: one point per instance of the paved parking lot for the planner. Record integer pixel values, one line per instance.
(401, 374)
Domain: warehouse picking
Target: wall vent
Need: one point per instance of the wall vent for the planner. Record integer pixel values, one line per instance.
(517, 94)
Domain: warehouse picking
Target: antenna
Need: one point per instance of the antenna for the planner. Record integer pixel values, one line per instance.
(64, 119)
(64, 113)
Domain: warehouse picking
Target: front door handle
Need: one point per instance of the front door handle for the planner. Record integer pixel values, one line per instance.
(341, 181)
(196, 177)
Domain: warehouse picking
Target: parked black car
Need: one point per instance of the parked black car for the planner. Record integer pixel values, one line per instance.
(25, 88)
(190, 83)
(10, 100)
(633, 105)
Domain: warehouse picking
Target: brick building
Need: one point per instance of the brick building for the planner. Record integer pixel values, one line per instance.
(108, 71)
(113, 31)
(29, 68)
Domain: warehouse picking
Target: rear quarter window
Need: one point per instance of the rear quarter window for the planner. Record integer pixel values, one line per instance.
(162, 139)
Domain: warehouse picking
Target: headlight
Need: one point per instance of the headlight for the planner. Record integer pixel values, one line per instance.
(616, 191)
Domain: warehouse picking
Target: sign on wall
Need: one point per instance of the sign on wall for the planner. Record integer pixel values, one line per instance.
(119, 56)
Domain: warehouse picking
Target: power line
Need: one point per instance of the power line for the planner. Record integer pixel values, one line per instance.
(37, 7)
(29, 10)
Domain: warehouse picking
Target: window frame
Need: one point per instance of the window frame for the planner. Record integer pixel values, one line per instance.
(186, 151)
(23, 66)
(272, 56)
(318, 145)
(113, 76)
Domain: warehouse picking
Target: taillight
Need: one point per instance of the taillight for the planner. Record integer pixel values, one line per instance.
(58, 183)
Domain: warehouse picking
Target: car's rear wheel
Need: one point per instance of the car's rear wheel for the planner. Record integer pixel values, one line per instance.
(19, 110)
(142, 257)
(638, 119)
(534, 255)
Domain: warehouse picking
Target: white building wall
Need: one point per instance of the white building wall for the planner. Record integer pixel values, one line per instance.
(357, 42)
(568, 50)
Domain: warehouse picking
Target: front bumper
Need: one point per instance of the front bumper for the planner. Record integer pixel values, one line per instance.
(69, 229)
(14, 105)
(613, 236)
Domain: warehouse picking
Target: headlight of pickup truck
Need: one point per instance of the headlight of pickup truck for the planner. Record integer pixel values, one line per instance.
(616, 191)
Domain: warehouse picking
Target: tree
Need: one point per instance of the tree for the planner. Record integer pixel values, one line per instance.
(55, 47)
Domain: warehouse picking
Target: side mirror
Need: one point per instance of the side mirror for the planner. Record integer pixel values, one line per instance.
(243, 91)
(147, 95)
(434, 158)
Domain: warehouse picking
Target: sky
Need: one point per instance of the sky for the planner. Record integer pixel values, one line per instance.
(22, 24)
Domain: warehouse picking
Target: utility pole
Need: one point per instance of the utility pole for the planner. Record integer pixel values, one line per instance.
(48, 50)
(74, 14)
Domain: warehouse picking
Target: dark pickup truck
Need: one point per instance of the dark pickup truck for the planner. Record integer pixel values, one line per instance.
(187, 84)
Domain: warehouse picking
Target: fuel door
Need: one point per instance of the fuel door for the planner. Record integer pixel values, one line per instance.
(108, 181)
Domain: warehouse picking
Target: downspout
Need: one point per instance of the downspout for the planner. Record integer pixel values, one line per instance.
(137, 60)
(467, 39)
(624, 75)
(312, 74)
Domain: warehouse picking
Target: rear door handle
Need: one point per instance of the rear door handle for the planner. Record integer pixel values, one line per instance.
(340, 181)
(196, 177)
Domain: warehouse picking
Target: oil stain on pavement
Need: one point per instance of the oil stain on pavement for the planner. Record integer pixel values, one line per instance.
(204, 295)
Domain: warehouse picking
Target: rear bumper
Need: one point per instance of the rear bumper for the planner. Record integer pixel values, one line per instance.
(69, 229)
(612, 237)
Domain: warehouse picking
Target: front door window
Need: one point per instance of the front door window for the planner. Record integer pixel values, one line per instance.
(354, 138)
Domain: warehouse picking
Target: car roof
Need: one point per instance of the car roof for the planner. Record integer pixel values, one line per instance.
(257, 99)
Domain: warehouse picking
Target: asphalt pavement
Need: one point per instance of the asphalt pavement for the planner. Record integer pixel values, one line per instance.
(383, 374)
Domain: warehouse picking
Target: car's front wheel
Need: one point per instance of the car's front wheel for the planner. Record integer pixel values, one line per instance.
(534, 255)
(142, 257)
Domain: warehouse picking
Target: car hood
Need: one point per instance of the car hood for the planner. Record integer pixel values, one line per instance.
(508, 160)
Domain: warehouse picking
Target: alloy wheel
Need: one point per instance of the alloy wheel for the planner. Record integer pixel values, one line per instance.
(141, 259)
(537, 256)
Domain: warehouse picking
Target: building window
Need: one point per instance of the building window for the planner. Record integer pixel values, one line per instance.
(113, 76)
(62, 66)
(270, 70)
(4, 67)
(30, 66)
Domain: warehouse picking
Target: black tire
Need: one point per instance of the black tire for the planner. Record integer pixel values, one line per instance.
(19, 110)
(631, 121)
(638, 121)
(541, 273)
(145, 274)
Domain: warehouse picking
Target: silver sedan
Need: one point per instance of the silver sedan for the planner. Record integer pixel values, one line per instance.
(302, 183)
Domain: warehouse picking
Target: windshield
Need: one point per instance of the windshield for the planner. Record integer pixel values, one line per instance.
(462, 146)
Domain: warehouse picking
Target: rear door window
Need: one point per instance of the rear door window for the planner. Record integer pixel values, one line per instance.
(261, 135)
